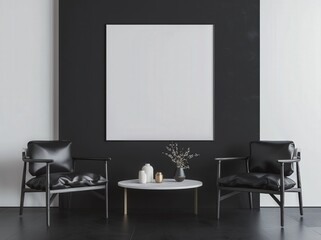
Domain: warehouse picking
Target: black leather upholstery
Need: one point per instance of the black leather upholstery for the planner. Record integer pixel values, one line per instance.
(52, 165)
(58, 151)
(264, 156)
(66, 180)
(256, 180)
(264, 174)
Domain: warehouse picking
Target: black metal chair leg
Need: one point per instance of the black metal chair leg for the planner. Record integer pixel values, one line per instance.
(218, 203)
(282, 195)
(48, 207)
(22, 199)
(250, 200)
(23, 182)
(106, 199)
(299, 186)
(282, 210)
(48, 196)
(300, 202)
(106, 190)
(218, 190)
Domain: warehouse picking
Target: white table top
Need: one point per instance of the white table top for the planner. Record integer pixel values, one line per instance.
(167, 184)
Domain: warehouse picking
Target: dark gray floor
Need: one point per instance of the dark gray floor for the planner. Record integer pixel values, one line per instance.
(238, 224)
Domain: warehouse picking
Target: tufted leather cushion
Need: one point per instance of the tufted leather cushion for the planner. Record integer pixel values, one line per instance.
(256, 180)
(264, 156)
(58, 151)
(66, 180)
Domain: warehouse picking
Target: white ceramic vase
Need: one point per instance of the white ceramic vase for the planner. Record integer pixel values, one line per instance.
(142, 177)
(149, 170)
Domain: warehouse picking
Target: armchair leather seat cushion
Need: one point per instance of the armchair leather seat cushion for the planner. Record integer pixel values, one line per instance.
(256, 180)
(66, 180)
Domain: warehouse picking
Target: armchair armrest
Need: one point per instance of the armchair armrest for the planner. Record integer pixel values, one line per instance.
(288, 160)
(33, 160)
(219, 161)
(94, 159)
(230, 158)
(91, 159)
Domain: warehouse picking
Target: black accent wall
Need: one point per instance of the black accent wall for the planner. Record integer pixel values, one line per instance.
(82, 96)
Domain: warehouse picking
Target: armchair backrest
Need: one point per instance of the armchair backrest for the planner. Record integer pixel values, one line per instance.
(264, 156)
(58, 151)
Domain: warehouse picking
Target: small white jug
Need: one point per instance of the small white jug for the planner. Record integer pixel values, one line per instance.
(149, 170)
(142, 177)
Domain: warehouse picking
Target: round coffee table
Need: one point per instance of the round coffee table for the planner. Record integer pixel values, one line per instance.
(167, 184)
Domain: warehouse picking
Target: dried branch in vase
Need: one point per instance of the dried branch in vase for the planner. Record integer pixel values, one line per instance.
(179, 156)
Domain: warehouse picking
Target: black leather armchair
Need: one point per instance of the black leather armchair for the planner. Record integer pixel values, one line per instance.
(53, 170)
(267, 171)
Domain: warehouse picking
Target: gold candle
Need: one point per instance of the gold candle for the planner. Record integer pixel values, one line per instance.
(158, 177)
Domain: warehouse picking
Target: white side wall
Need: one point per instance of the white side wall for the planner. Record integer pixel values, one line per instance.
(291, 85)
(28, 101)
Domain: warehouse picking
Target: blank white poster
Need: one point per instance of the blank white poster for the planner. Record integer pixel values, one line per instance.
(160, 82)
